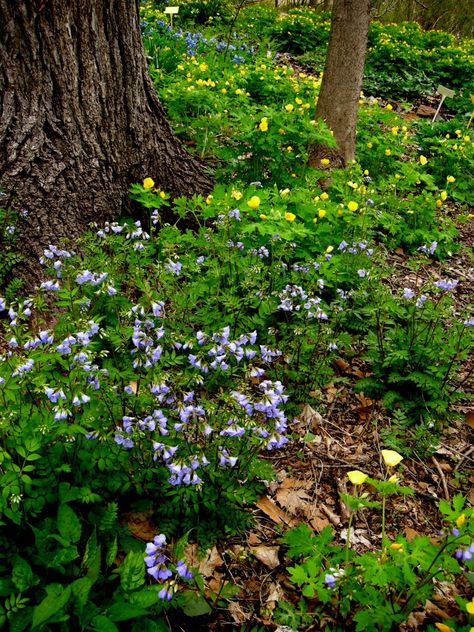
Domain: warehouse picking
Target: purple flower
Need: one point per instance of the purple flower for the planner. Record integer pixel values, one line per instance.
(408, 293)
(174, 267)
(446, 284)
(330, 580)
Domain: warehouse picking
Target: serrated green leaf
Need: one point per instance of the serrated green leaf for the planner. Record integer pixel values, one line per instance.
(112, 552)
(80, 591)
(193, 604)
(144, 598)
(69, 525)
(103, 624)
(132, 571)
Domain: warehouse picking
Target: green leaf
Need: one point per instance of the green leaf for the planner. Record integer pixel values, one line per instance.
(193, 604)
(52, 604)
(80, 591)
(132, 571)
(112, 552)
(144, 598)
(69, 525)
(125, 611)
(22, 575)
(103, 624)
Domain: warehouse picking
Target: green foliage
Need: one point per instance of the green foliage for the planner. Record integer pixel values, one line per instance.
(375, 590)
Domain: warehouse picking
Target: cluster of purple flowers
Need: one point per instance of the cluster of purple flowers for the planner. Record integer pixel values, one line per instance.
(160, 567)
(466, 554)
(357, 247)
(294, 299)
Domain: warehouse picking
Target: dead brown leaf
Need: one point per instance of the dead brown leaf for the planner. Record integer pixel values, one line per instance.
(207, 564)
(292, 495)
(268, 555)
(469, 419)
(274, 512)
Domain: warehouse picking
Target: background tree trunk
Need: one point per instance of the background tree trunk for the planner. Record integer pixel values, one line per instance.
(79, 118)
(343, 72)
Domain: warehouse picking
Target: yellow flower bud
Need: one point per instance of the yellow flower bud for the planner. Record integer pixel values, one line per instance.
(329, 249)
(290, 217)
(262, 216)
(443, 627)
(321, 213)
(423, 160)
(443, 195)
(396, 546)
(460, 520)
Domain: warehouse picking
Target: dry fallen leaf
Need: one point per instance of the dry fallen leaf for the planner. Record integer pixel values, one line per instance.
(141, 525)
(268, 555)
(274, 512)
(237, 613)
(207, 564)
(292, 495)
(357, 536)
(309, 417)
(470, 419)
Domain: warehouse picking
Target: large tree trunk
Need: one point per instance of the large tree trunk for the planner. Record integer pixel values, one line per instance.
(79, 118)
(343, 72)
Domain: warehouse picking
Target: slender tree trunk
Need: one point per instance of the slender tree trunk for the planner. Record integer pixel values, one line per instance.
(79, 118)
(343, 72)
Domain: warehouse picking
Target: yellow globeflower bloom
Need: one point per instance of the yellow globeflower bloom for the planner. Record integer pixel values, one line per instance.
(254, 202)
(460, 520)
(236, 195)
(423, 160)
(443, 195)
(209, 199)
(370, 145)
(451, 179)
(353, 206)
(289, 107)
(388, 152)
(388, 107)
(284, 192)
(396, 546)
(262, 216)
(391, 458)
(321, 213)
(329, 249)
(470, 606)
(443, 627)
(264, 124)
(290, 217)
(325, 161)
(324, 196)
(357, 477)
(148, 183)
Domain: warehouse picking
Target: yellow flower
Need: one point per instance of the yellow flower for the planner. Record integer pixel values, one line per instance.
(388, 152)
(162, 195)
(391, 458)
(460, 520)
(284, 192)
(396, 546)
(289, 149)
(393, 479)
(353, 185)
(315, 220)
(370, 145)
(451, 179)
(325, 161)
(324, 196)
(366, 172)
(439, 203)
(262, 216)
(264, 124)
(443, 195)
(443, 627)
(290, 217)
(148, 183)
(281, 130)
(357, 477)
(395, 130)
(289, 107)
(209, 199)
(321, 213)
(254, 202)
(236, 195)
(353, 206)
(203, 67)
(329, 249)
(423, 160)
(388, 107)
(470, 606)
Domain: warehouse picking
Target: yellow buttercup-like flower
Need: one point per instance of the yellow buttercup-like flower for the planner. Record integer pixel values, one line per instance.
(262, 216)
(443, 195)
(324, 196)
(396, 546)
(357, 477)
(148, 183)
(451, 179)
(325, 161)
(264, 124)
(289, 107)
(352, 206)
(388, 152)
(321, 213)
(423, 160)
(391, 458)
(254, 202)
(329, 249)
(236, 195)
(470, 606)
(290, 217)
(460, 520)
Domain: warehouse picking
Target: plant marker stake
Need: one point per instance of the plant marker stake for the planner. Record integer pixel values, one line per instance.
(472, 113)
(171, 11)
(444, 92)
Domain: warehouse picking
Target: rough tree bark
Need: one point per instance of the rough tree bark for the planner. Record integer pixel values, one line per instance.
(343, 73)
(79, 118)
